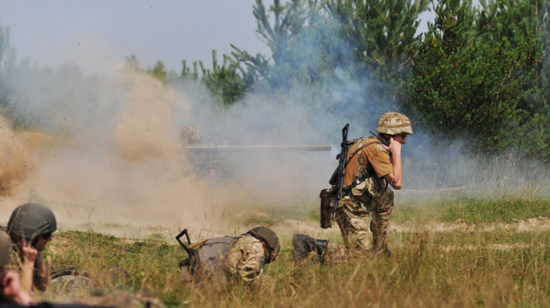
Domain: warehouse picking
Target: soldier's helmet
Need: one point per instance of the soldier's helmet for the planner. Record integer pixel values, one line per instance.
(393, 123)
(191, 135)
(30, 220)
(5, 244)
(270, 238)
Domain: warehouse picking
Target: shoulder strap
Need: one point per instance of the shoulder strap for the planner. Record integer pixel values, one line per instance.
(359, 149)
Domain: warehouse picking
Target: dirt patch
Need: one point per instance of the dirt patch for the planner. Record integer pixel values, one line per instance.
(536, 224)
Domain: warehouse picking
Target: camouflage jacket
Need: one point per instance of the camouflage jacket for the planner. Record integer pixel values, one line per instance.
(372, 188)
(246, 258)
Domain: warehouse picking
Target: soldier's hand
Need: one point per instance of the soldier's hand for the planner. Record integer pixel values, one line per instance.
(29, 253)
(394, 147)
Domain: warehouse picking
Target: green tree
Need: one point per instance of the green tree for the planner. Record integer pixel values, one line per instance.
(225, 81)
(158, 71)
(379, 34)
(470, 70)
(300, 42)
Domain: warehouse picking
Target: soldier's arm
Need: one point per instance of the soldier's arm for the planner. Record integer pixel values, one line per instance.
(395, 178)
(41, 277)
(29, 257)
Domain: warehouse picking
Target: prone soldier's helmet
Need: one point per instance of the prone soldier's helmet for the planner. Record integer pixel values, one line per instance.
(191, 135)
(31, 220)
(393, 123)
(270, 238)
(5, 244)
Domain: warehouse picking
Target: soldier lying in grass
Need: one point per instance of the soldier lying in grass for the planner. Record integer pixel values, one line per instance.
(234, 257)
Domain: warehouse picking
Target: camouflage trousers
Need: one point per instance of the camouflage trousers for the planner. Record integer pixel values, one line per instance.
(352, 218)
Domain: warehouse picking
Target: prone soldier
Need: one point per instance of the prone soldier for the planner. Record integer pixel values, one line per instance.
(30, 228)
(10, 284)
(237, 257)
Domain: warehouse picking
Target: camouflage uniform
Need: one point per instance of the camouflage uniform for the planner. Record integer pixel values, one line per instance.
(40, 274)
(246, 258)
(241, 257)
(370, 195)
(28, 222)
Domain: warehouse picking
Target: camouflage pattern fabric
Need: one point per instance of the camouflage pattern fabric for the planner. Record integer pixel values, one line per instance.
(336, 254)
(246, 259)
(191, 135)
(393, 123)
(371, 195)
(71, 285)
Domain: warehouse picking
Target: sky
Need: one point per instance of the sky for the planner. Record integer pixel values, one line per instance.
(96, 33)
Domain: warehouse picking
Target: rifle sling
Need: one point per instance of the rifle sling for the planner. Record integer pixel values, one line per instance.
(357, 151)
(364, 177)
(356, 182)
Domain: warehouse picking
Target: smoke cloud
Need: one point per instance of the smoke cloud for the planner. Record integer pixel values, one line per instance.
(106, 150)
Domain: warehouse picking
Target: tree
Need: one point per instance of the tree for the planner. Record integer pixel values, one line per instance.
(379, 33)
(469, 73)
(158, 71)
(225, 82)
(299, 39)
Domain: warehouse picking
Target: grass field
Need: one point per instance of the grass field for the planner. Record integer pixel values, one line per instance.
(454, 252)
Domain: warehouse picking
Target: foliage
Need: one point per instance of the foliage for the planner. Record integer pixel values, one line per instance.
(475, 73)
(225, 81)
(379, 34)
(158, 71)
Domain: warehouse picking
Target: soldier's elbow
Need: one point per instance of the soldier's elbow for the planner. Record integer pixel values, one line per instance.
(396, 186)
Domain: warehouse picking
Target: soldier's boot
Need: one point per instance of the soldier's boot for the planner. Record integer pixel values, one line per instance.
(304, 244)
(380, 246)
(322, 248)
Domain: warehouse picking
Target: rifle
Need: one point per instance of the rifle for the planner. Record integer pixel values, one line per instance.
(193, 255)
(337, 178)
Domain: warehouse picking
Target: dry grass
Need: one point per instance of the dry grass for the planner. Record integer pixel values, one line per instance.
(491, 265)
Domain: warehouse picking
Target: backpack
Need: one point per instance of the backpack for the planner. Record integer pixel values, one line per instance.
(210, 263)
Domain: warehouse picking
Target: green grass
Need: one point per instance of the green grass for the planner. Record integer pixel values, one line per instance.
(469, 267)
(472, 210)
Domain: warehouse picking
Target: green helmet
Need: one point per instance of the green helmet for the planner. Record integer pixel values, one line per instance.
(270, 238)
(5, 244)
(393, 123)
(30, 220)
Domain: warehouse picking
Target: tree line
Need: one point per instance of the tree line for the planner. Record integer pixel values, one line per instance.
(479, 73)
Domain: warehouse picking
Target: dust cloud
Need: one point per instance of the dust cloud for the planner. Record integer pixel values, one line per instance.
(124, 168)
(104, 153)
(112, 157)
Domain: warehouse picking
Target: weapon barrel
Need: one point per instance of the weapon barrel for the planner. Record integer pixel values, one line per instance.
(200, 148)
